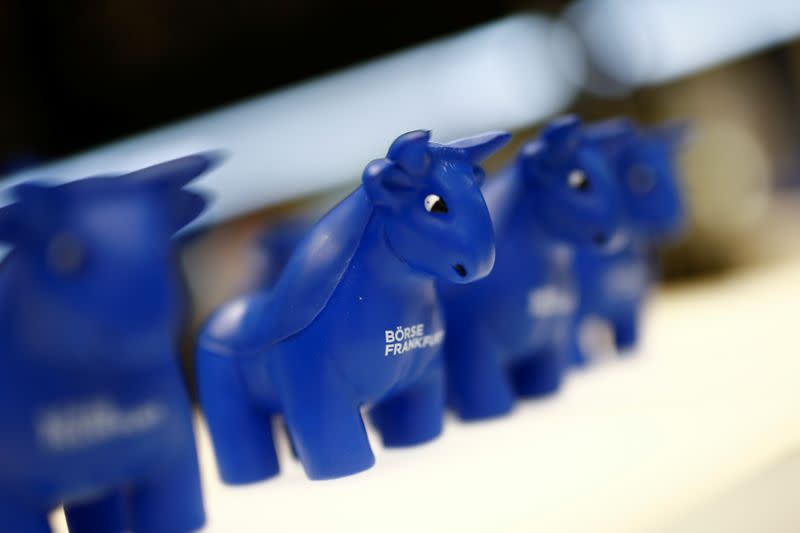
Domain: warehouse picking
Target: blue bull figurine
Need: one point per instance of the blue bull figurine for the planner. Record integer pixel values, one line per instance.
(93, 410)
(614, 287)
(509, 334)
(353, 320)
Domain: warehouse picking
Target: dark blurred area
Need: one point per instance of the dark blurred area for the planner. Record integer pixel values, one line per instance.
(82, 73)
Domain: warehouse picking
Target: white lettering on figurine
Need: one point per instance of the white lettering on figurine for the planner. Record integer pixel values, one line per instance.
(404, 339)
(74, 426)
(551, 301)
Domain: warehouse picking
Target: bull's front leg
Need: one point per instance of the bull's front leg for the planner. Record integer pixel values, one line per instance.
(626, 330)
(104, 515)
(22, 519)
(540, 373)
(575, 355)
(323, 415)
(477, 382)
(172, 501)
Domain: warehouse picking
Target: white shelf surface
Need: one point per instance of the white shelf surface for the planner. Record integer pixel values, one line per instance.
(711, 400)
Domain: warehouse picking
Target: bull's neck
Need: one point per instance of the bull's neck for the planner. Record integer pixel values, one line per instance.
(380, 261)
(511, 202)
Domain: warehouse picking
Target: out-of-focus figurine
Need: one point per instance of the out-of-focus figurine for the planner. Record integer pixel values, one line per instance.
(509, 334)
(276, 244)
(93, 410)
(353, 320)
(614, 287)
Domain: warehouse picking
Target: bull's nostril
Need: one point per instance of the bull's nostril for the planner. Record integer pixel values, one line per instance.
(460, 270)
(600, 238)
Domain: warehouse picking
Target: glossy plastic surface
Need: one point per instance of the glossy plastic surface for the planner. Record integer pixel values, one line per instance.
(93, 410)
(353, 320)
(614, 287)
(509, 334)
(277, 243)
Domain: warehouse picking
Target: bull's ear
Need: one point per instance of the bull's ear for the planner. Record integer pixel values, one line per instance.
(556, 144)
(617, 130)
(672, 134)
(562, 135)
(411, 153)
(479, 147)
(11, 224)
(185, 207)
(176, 173)
(533, 162)
(31, 191)
(383, 181)
(480, 175)
(32, 211)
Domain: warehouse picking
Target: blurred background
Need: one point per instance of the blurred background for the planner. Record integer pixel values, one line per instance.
(303, 93)
(339, 81)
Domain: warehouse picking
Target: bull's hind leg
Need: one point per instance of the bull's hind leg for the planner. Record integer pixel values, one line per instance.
(323, 416)
(241, 433)
(477, 384)
(415, 415)
(292, 447)
(19, 519)
(106, 515)
(540, 374)
(171, 502)
(626, 331)
(575, 354)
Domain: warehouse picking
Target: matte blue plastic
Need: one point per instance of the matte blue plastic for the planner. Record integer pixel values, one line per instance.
(509, 333)
(615, 286)
(353, 321)
(93, 410)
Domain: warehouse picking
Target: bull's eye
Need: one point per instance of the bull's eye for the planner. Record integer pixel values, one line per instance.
(434, 204)
(66, 254)
(641, 179)
(578, 180)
